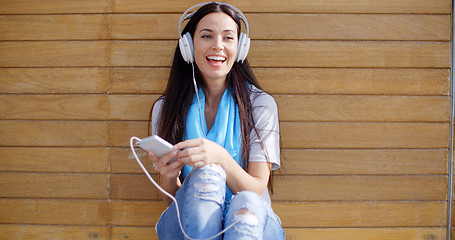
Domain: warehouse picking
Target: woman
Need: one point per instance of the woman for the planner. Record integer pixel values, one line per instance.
(226, 135)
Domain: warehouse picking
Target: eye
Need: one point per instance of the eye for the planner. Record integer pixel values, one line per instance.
(228, 37)
(208, 36)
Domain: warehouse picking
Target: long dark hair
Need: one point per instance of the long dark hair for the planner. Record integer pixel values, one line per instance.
(179, 91)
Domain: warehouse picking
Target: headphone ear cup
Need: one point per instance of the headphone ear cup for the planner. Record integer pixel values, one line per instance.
(243, 48)
(186, 47)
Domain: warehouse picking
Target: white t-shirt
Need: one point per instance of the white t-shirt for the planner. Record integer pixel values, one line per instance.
(265, 115)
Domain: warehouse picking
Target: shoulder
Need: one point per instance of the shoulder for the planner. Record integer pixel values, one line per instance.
(157, 106)
(262, 100)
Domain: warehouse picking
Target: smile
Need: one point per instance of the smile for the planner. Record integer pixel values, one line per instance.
(216, 58)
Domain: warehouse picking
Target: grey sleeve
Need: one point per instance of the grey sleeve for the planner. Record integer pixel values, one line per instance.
(265, 114)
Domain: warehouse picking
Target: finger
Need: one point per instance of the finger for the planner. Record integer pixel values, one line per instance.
(189, 143)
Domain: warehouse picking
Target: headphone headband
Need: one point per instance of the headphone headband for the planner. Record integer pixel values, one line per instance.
(238, 12)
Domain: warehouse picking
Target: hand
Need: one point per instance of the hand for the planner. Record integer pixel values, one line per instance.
(200, 152)
(164, 168)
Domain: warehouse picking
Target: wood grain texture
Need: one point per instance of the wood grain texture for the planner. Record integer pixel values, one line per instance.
(54, 107)
(332, 6)
(304, 26)
(300, 54)
(145, 233)
(328, 134)
(314, 188)
(54, 80)
(52, 211)
(362, 214)
(364, 161)
(353, 81)
(360, 188)
(346, 81)
(53, 54)
(44, 232)
(54, 27)
(365, 233)
(54, 185)
(364, 135)
(49, 6)
(54, 133)
(317, 214)
(54, 159)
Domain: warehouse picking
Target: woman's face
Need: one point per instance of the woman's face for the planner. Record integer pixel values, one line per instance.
(215, 46)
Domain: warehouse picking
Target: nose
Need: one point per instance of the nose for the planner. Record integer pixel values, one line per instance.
(218, 44)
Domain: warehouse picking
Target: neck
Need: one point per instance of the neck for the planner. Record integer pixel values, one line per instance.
(213, 93)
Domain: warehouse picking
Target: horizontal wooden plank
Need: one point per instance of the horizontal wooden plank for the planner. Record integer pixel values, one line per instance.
(54, 185)
(136, 213)
(53, 27)
(54, 80)
(291, 107)
(327, 161)
(138, 233)
(362, 214)
(131, 107)
(55, 107)
(301, 54)
(363, 108)
(44, 232)
(138, 80)
(305, 26)
(142, 53)
(363, 161)
(54, 54)
(333, 6)
(133, 187)
(365, 233)
(328, 134)
(349, 54)
(306, 80)
(314, 188)
(50, 6)
(146, 233)
(360, 188)
(121, 132)
(317, 108)
(123, 161)
(364, 135)
(354, 81)
(53, 133)
(61, 212)
(317, 214)
(60, 159)
(350, 26)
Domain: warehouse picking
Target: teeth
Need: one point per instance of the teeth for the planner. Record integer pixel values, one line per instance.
(216, 58)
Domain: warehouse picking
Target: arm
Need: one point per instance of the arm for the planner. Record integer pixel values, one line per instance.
(200, 152)
(167, 173)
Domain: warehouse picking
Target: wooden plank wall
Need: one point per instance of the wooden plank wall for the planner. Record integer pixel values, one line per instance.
(363, 94)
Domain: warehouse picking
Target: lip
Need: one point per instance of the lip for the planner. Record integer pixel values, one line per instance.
(215, 63)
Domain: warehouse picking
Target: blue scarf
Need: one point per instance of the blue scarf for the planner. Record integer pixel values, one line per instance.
(225, 130)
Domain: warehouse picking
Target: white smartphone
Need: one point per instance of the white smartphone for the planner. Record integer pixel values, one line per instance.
(157, 145)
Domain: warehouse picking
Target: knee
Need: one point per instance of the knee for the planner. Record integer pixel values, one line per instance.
(247, 198)
(209, 183)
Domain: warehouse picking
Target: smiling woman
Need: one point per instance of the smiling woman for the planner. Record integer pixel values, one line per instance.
(226, 135)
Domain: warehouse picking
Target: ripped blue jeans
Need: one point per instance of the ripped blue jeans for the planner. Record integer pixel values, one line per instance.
(201, 207)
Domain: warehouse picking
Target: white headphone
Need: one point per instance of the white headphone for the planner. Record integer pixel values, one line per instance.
(186, 42)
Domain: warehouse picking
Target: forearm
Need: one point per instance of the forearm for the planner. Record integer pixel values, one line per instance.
(255, 179)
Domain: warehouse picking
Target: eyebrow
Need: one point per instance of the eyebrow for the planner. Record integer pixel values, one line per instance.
(210, 30)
